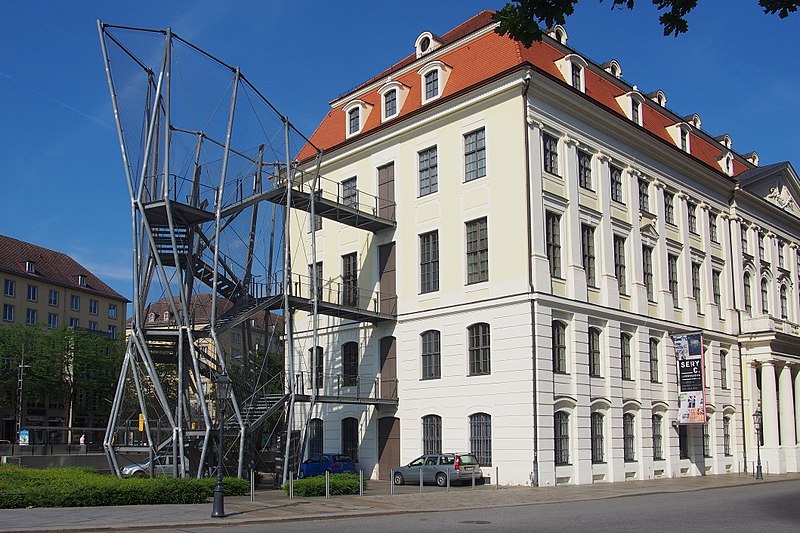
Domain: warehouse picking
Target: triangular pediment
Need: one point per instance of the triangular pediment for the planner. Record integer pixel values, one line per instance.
(649, 233)
(777, 184)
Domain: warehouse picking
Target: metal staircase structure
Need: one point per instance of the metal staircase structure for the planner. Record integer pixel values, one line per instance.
(212, 183)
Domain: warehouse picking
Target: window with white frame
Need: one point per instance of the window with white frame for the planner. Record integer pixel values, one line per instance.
(715, 286)
(629, 437)
(669, 208)
(349, 195)
(644, 195)
(784, 303)
(477, 251)
(625, 355)
(30, 316)
(597, 437)
(588, 254)
(696, 285)
(475, 155)
(428, 171)
(585, 170)
(712, 227)
(550, 152)
(748, 293)
(764, 296)
(431, 434)
(594, 352)
(723, 369)
(619, 263)
(658, 446)
(616, 184)
(431, 85)
(672, 278)
(636, 111)
(559, 343)
(431, 354)
(691, 209)
(553, 242)
(743, 236)
(10, 288)
(354, 120)
(429, 261)
(480, 438)
(74, 322)
(92, 325)
(93, 307)
(781, 257)
(577, 76)
(112, 311)
(52, 297)
(647, 268)
(52, 320)
(75, 302)
(8, 313)
(390, 103)
(654, 361)
(33, 293)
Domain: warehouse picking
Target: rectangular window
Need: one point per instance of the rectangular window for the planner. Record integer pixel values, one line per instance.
(480, 438)
(112, 311)
(654, 361)
(692, 214)
(10, 288)
(474, 155)
(745, 244)
(350, 192)
(33, 293)
(354, 117)
(625, 349)
(696, 285)
(93, 307)
(350, 280)
(479, 349)
(644, 196)
(781, 258)
(585, 170)
(576, 76)
(616, 184)
(647, 266)
(726, 436)
(597, 438)
(669, 208)
(658, 448)
(684, 141)
(672, 278)
(8, 313)
(431, 355)
(553, 242)
(619, 263)
(92, 325)
(311, 280)
(52, 297)
(428, 171)
(30, 317)
(706, 441)
(588, 255)
(431, 434)
(550, 145)
(723, 369)
(635, 111)
(761, 251)
(390, 104)
(628, 438)
(559, 340)
(52, 320)
(74, 322)
(477, 251)
(75, 302)
(594, 352)
(432, 84)
(429, 261)
(350, 364)
(561, 437)
(712, 227)
(112, 331)
(715, 286)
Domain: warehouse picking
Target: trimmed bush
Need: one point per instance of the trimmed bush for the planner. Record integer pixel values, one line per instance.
(315, 486)
(82, 487)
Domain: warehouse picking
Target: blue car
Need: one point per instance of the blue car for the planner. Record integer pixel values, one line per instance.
(319, 463)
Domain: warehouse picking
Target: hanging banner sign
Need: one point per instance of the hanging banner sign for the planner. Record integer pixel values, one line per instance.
(691, 378)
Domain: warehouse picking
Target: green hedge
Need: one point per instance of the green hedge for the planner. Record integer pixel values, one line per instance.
(315, 486)
(82, 487)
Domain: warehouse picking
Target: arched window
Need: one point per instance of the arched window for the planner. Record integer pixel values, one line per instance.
(594, 352)
(559, 347)
(784, 303)
(350, 437)
(764, 296)
(350, 363)
(658, 447)
(479, 349)
(561, 436)
(748, 301)
(480, 437)
(597, 437)
(431, 355)
(628, 437)
(431, 434)
(316, 440)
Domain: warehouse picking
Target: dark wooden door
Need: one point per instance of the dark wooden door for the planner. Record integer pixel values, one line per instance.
(388, 282)
(386, 206)
(388, 367)
(388, 446)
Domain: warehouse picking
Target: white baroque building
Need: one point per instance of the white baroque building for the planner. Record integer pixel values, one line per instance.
(551, 227)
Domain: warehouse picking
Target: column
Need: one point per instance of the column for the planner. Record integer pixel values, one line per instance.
(633, 258)
(797, 402)
(573, 273)
(540, 264)
(786, 405)
(769, 404)
(661, 283)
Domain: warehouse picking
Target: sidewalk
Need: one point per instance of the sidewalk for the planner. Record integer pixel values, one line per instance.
(273, 506)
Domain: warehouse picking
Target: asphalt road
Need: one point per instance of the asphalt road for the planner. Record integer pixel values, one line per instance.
(771, 507)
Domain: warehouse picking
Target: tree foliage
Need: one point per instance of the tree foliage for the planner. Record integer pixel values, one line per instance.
(523, 20)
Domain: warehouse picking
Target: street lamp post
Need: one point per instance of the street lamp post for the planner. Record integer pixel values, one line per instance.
(757, 420)
(223, 384)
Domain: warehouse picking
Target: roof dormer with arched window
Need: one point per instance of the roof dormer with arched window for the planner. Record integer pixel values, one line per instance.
(393, 96)
(433, 77)
(658, 97)
(558, 33)
(613, 68)
(632, 103)
(573, 68)
(356, 113)
(426, 43)
(680, 133)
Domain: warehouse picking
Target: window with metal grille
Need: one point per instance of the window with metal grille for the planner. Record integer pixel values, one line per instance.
(474, 155)
(748, 289)
(625, 349)
(349, 280)
(431, 355)
(616, 184)
(588, 254)
(764, 296)
(628, 437)
(354, 118)
(550, 146)
(390, 104)
(316, 437)
(696, 285)
(644, 196)
(597, 438)
(350, 364)
(594, 352)
(692, 214)
(432, 84)
(480, 438)
(561, 437)
(431, 434)
(559, 341)
(726, 436)
(429, 261)
(672, 277)
(553, 242)
(428, 171)
(654, 363)
(669, 208)
(477, 251)
(350, 192)
(723, 369)
(350, 438)
(318, 366)
(647, 267)
(715, 286)
(585, 170)
(619, 263)
(479, 349)
(658, 448)
(706, 441)
(683, 442)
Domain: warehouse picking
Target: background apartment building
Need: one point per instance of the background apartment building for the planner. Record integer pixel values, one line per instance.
(555, 225)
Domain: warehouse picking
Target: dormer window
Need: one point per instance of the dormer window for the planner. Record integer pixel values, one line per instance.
(725, 140)
(151, 317)
(725, 161)
(390, 104)
(694, 120)
(658, 97)
(427, 43)
(357, 112)
(577, 75)
(684, 140)
(393, 96)
(573, 68)
(433, 78)
(82, 280)
(632, 103)
(636, 113)
(166, 316)
(680, 134)
(613, 68)
(30, 267)
(752, 158)
(559, 34)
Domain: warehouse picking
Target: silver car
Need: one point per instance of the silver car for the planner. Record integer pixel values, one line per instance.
(435, 467)
(162, 467)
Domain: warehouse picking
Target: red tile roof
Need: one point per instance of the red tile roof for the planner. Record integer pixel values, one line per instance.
(200, 311)
(486, 57)
(50, 266)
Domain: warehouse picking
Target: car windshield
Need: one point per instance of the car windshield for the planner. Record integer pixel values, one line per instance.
(468, 459)
(419, 461)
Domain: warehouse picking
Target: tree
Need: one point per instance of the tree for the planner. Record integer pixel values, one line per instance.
(523, 20)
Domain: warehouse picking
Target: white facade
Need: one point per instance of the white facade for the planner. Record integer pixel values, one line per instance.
(543, 402)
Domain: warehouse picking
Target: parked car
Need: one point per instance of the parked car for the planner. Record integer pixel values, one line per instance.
(319, 463)
(434, 468)
(162, 467)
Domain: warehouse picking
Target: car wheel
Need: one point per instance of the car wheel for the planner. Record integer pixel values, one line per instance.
(398, 479)
(139, 473)
(441, 479)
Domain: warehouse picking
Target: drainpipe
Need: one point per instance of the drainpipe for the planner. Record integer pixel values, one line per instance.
(535, 473)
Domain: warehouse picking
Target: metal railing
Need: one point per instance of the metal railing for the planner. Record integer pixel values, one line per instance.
(352, 386)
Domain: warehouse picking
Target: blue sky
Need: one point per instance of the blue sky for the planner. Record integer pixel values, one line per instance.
(60, 165)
